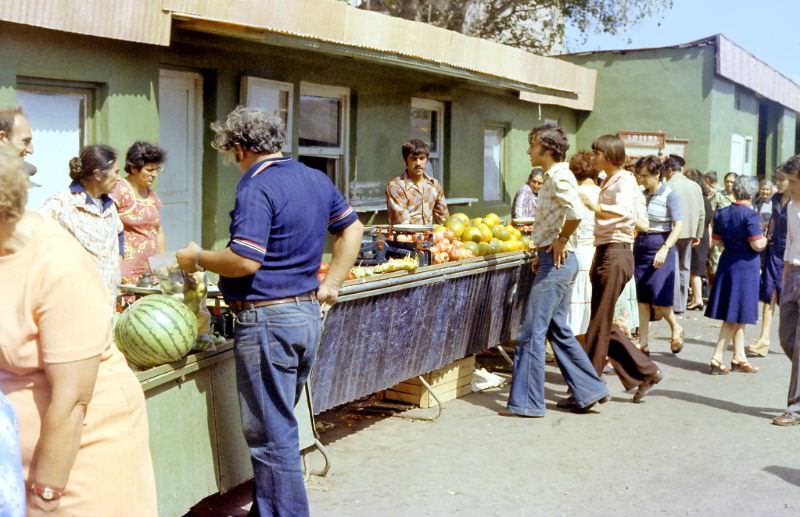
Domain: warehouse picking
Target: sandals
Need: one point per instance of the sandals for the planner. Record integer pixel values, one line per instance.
(676, 343)
(695, 307)
(717, 368)
(743, 366)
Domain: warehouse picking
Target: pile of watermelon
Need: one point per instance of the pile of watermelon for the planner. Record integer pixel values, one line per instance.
(155, 330)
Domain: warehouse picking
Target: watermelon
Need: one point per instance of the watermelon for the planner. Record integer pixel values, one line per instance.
(156, 329)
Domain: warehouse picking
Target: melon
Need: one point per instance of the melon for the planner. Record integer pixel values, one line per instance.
(157, 329)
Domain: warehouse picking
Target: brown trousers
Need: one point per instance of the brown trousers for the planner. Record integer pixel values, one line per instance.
(612, 268)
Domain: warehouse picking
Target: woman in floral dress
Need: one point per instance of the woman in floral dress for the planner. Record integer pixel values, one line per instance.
(138, 207)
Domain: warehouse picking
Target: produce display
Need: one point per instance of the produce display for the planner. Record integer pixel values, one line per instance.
(192, 290)
(155, 330)
(390, 266)
(461, 237)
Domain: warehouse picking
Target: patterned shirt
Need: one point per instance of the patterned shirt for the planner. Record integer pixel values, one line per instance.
(142, 222)
(558, 201)
(620, 192)
(524, 203)
(409, 203)
(98, 229)
(663, 209)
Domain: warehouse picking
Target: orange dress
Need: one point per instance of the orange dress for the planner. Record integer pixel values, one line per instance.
(54, 310)
(142, 224)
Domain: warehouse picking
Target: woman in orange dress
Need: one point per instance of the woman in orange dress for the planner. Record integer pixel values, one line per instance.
(138, 206)
(81, 410)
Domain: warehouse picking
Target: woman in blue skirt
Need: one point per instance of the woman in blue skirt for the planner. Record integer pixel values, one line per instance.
(734, 294)
(654, 254)
(772, 265)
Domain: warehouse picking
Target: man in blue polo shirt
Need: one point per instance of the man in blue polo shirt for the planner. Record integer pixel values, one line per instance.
(268, 272)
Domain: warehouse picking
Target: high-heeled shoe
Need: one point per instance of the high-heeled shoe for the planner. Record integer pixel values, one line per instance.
(743, 366)
(645, 350)
(695, 307)
(676, 343)
(717, 368)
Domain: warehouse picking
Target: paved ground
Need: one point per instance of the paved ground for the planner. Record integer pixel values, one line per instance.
(698, 445)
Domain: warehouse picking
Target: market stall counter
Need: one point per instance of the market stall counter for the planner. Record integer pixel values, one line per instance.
(385, 329)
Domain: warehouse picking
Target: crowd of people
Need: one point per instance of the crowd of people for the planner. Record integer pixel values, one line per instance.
(606, 224)
(616, 246)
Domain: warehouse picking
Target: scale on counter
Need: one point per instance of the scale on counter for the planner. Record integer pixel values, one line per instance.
(382, 242)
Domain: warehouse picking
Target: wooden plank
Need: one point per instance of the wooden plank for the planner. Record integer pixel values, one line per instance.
(426, 400)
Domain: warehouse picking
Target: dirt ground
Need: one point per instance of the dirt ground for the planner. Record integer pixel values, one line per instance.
(698, 445)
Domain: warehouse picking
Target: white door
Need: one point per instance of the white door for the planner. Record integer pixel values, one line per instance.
(741, 154)
(179, 186)
(57, 128)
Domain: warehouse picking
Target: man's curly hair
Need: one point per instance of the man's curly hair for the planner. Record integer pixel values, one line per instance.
(552, 139)
(582, 166)
(253, 129)
(13, 185)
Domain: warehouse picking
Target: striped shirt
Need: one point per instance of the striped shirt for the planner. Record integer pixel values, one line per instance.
(282, 213)
(663, 209)
(558, 201)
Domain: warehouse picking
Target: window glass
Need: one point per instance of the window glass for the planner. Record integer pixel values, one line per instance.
(492, 164)
(320, 120)
(424, 126)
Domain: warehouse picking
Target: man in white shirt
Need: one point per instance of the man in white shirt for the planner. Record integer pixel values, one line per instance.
(790, 293)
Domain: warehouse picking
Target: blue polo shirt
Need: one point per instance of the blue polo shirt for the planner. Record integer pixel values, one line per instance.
(282, 212)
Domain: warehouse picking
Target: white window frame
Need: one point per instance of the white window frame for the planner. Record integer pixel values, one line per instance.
(501, 173)
(250, 83)
(438, 107)
(342, 152)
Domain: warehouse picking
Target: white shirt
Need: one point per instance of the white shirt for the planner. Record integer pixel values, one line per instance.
(792, 253)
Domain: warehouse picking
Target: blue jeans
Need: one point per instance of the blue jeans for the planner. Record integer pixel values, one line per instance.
(546, 317)
(274, 349)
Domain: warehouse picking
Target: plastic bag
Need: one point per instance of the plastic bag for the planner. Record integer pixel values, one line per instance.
(192, 290)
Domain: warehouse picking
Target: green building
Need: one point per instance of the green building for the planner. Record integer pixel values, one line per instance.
(352, 86)
(709, 99)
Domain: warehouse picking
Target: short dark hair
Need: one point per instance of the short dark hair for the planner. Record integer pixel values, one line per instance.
(7, 117)
(582, 166)
(790, 166)
(693, 174)
(613, 147)
(652, 164)
(92, 158)
(729, 175)
(552, 139)
(414, 147)
(536, 171)
(711, 176)
(674, 162)
(142, 153)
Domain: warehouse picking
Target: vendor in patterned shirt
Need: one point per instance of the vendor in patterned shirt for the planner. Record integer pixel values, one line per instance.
(415, 197)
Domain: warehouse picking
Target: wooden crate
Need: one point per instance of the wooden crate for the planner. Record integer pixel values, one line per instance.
(448, 383)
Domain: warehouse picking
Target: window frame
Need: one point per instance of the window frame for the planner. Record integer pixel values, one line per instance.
(342, 152)
(501, 177)
(250, 81)
(89, 92)
(438, 155)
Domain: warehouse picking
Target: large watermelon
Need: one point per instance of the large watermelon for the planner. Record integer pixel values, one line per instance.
(155, 330)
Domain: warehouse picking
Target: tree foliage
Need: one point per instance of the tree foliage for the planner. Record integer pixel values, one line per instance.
(535, 25)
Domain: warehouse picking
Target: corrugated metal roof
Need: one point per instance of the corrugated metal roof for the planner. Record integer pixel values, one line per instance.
(140, 21)
(735, 64)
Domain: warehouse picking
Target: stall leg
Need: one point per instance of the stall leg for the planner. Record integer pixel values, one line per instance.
(505, 355)
(438, 404)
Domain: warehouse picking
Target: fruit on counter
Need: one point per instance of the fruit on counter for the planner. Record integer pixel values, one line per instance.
(471, 234)
(486, 233)
(155, 330)
(392, 265)
(476, 221)
(464, 218)
(472, 247)
(455, 225)
(484, 249)
(491, 219)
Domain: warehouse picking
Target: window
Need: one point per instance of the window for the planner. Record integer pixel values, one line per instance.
(427, 124)
(493, 163)
(273, 97)
(60, 117)
(323, 129)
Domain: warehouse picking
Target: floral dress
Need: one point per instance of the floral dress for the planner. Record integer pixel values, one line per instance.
(142, 225)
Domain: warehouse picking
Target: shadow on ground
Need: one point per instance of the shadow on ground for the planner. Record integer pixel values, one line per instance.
(790, 475)
(725, 405)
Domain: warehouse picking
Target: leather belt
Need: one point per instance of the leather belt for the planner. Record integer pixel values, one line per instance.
(242, 305)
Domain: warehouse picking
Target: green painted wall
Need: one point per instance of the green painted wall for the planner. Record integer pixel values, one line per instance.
(733, 110)
(660, 90)
(125, 79)
(123, 75)
(787, 138)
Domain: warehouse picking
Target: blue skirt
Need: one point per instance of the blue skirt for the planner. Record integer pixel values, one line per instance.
(771, 273)
(734, 298)
(655, 286)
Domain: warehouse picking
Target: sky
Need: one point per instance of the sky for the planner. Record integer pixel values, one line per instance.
(768, 29)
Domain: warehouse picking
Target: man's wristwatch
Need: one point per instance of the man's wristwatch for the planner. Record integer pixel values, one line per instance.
(46, 492)
(562, 238)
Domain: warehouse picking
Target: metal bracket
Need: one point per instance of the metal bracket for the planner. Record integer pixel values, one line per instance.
(505, 355)
(308, 472)
(438, 405)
